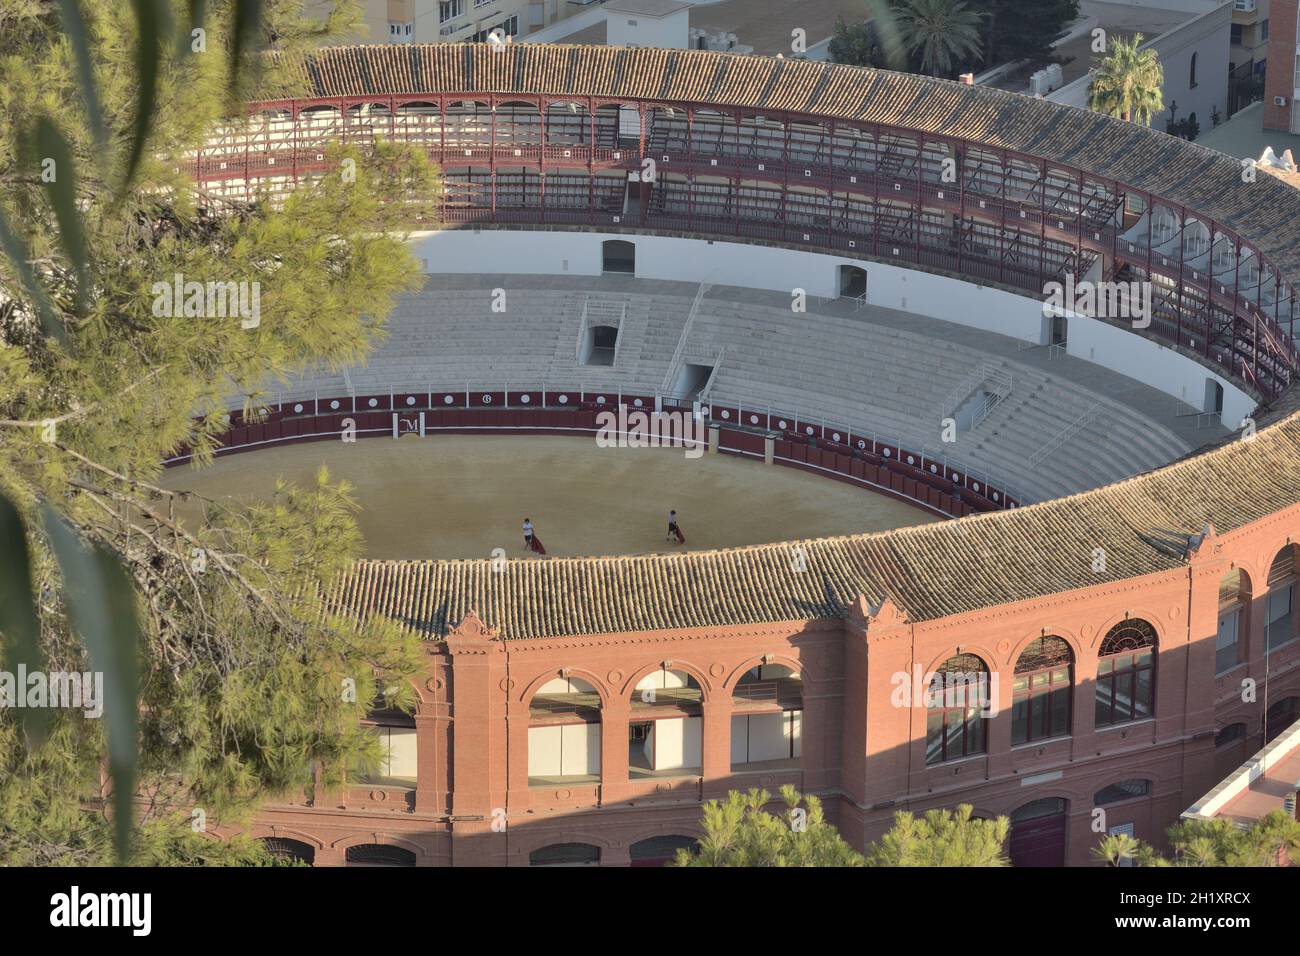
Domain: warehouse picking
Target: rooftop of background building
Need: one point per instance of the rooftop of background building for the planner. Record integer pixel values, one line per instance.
(1257, 787)
(1119, 20)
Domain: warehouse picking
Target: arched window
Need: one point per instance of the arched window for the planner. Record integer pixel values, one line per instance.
(1234, 602)
(660, 850)
(666, 730)
(1280, 716)
(1042, 691)
(565, 854)
(1124, 790)
(286, 849)
(379, 854)
(957, 704)
(1192, 83)
(1126, 674)
(1279, 624)
(767, 724)
(1230, 735)
(564, 733)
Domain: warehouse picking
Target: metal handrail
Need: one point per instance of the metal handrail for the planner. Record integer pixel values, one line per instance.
(1065, 435)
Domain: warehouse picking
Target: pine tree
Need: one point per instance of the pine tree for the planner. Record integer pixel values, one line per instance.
(1272, 840)
(243, 667)
(942, 838)
(738, 831)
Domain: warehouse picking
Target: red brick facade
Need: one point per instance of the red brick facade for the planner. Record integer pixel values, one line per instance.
(472, 804)
(1279, 80)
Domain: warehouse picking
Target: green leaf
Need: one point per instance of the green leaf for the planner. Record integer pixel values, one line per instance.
(16, 250)
(151, 16)
(20, 630)
(63, 197)
(100, 599)
(247, 36)
(75, 26)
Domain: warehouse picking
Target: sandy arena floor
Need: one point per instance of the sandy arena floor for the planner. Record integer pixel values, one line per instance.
(461, 496)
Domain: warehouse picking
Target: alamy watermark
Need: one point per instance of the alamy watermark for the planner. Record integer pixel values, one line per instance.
(973, 689)
(1130, 301)
(179, 299)
(639, 429)
(84, 692)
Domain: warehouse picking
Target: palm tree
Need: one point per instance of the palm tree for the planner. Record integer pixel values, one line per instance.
(944, 31)
(1128, 82)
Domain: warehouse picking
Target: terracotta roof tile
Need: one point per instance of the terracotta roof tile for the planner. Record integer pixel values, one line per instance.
(930, 571)
(1266, 211)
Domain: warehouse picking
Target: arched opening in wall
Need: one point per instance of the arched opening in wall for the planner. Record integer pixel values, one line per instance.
(1042, 691)
(379, 854)
(661, 850)
(1126, 674)
(957, 704)
(1279, 620)
(564, 733)
(618, 256)
(1213, 397)
(600, 345)
(1121, 797)
(767, 719)
(565, 854)
(1038, 833)
(1280, 716)
(665, 730)
(853, 282)
(1234, 618)
(282, 848)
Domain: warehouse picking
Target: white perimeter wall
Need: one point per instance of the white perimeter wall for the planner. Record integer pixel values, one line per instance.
(526, 252)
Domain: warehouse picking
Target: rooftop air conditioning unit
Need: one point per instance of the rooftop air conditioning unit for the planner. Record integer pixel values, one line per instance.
(1279, 101)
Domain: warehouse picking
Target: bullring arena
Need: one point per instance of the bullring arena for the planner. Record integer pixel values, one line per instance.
(838, 274)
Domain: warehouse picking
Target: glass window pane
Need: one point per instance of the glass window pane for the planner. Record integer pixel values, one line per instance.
(1104, 696)
(1123, 697)
(974, 731)
(1019, 721)
(1060, 712)
(956, 726)
(1038, 717)
(934, 736)
(1143, 704)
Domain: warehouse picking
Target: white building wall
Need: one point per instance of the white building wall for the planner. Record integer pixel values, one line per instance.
(677, 743)
(636, 29)
(564, 750)
(1207, 34)
(528, 252)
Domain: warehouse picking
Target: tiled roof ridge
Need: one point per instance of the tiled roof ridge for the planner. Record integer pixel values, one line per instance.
(1207, 183)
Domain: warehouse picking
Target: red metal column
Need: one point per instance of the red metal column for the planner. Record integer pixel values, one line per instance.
(542, 106)
(591, 160)
(916, 229)
(690, 168)
(830, 188)
(492, 154)
(1042, 228)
